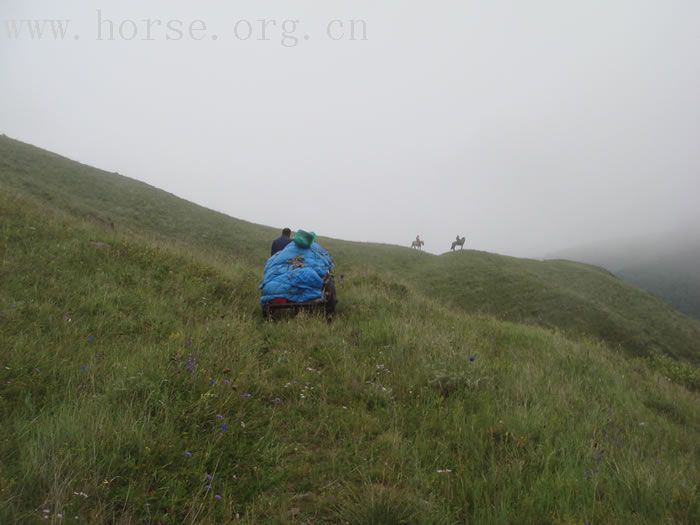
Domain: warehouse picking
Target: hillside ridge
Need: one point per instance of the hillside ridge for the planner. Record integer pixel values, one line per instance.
(139, 384)
(579, 299)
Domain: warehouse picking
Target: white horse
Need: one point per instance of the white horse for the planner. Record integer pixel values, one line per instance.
(417, 244)
(459, 242)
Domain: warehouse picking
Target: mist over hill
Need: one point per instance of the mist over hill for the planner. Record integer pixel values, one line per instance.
(666, 265)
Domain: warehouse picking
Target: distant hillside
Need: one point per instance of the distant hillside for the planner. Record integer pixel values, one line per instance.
(668, 266)
(579, 299)
(140, 384)
(111, 199)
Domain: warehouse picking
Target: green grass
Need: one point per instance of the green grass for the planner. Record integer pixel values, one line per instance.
(665, 265)
(579, 299)
(122, 347)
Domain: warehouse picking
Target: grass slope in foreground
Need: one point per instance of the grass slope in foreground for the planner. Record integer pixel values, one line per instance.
(138, 384)
(578, 299)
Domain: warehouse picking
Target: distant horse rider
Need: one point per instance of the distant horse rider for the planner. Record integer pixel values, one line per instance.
(458, 242)
(418, 244)
(283, 240)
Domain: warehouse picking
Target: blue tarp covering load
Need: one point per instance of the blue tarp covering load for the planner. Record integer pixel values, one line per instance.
(296, 274)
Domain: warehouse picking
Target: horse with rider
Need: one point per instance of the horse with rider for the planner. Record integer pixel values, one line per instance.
(418, 243)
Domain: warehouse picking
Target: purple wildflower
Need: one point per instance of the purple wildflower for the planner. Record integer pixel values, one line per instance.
(217, 497)
(90, 338)
(209, 477)
(187, 454)
(227, 381)
(224, 428)
(191, 364)
(219, 417)
(212, 382)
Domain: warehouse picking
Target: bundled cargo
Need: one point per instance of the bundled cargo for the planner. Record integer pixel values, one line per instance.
(300, 275)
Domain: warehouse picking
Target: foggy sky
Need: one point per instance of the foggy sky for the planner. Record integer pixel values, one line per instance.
(527, 126)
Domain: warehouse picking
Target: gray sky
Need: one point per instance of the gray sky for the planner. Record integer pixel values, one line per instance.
(527, 126)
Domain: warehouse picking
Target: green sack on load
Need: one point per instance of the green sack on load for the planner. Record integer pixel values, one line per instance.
(304, 239)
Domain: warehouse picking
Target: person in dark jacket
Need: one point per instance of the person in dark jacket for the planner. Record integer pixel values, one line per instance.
(279, 243)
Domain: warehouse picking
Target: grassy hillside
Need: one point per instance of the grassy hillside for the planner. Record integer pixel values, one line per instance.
(667, 266)
(578, 299)
(132, 373)
(139, 384)
(112, 200)
(675, 281)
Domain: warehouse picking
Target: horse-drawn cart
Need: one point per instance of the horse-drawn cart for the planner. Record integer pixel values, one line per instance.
(299, 277)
